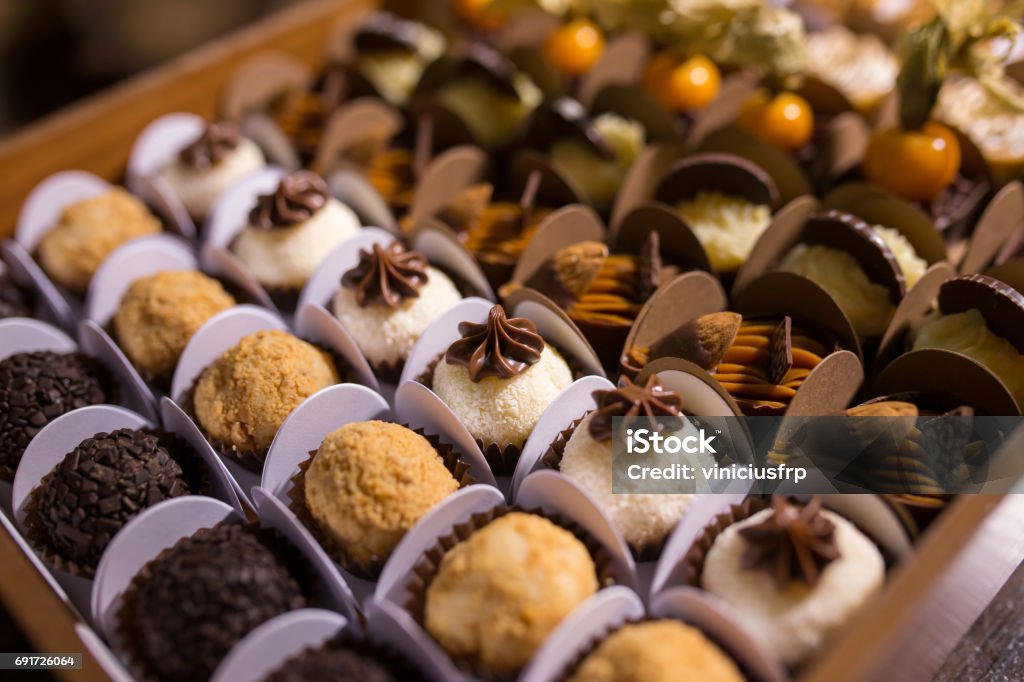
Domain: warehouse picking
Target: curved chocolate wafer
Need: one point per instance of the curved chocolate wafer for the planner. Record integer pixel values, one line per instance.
(1001, 305)
(716, 172)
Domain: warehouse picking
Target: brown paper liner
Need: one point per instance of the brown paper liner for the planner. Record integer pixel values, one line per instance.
(388, 372)
(552, 458)
(366, 570)
(35, 531)
(250, 459)
(129, 645)
(501, 459)
(425, 570)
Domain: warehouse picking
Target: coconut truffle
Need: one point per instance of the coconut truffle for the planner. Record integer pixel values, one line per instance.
(657, 651)
(210, 164)
(726, 226)
(88, 231)
(389, 299)
(793, 600)
(291, 231)
(101, 485)
(370, 482)
(160, 313)
(197, 599)
(35, 389)
(242, 399)
(499, 594)
(500, 377)
(338, 663)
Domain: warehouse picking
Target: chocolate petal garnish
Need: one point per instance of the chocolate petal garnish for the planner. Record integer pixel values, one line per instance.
(849, 233)
(781, 351)
(217, 140)
(500, 347)
(1001, 305)
(648, 275)
(795, 542)
(386, 276)
(486, 62)
(650, 401)
(298, 196)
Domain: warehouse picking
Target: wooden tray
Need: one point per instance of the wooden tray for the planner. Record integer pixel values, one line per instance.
(929, 602)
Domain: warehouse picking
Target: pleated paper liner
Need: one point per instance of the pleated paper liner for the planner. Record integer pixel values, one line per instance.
(127, 626)
(252, 459)
(362, 569)
(426, 568)
(502, 458)
(192, 468)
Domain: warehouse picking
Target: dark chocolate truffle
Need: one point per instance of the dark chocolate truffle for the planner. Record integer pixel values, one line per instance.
(200, 597)
(336, 662)
(35, 389)
(13, 301)
(100, 486)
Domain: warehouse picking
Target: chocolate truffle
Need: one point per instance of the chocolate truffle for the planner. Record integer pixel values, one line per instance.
(794, 574)
(198, 598)
(389, 299)
(499, 594)
(88, 231)
(339, 663)
(644, 519)
(160, 313)
(35, 389)
(242, 399)
(13, 301)
(292, 230)
(100, 486)
(500, 377)
(370, 482)
(211, 163)
(656, 651)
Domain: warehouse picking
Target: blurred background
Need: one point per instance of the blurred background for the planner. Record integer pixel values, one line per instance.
(53, 52)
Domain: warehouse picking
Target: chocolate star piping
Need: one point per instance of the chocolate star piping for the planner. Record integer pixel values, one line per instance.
(650, 401)
(795, 542)
(298, 196)
(212, 146)
(500, 347)
(386, 276)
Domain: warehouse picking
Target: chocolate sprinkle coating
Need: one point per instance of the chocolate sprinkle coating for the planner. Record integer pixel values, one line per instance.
(13, 301)
(336, 662)
(35, 389)
(100, 486)
(203, 595)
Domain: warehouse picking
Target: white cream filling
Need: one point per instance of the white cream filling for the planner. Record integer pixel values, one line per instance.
(912, 265)
(995, 127)
(727, 227)
(862, 67)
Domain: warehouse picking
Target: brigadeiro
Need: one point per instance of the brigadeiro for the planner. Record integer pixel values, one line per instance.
(101, 485)
(189, 606)
(13, 301)
(35, 389)
(344, 661)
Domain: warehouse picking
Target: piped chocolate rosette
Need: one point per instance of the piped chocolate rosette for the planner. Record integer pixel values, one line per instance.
(761, 362)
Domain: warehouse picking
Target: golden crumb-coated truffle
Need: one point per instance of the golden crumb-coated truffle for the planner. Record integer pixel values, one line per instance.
(88, 231)
(244, 396)
(160, 313)
(370, 482)
(499, 594)
(657, 651)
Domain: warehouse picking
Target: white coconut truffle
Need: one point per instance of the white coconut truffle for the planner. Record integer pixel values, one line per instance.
(385, 335)
(644, 519)
(498, 410)
(197, 189)
(797, 620)
(285, 257)
(912, 265)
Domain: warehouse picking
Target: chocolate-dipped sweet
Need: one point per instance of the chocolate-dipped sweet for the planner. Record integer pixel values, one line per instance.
(35, 389)
(794, 542)
(386, 275)
(197, 599)
(298, 196)
(500, 347)
(650, 401)
(102, 484)
(217, 140)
